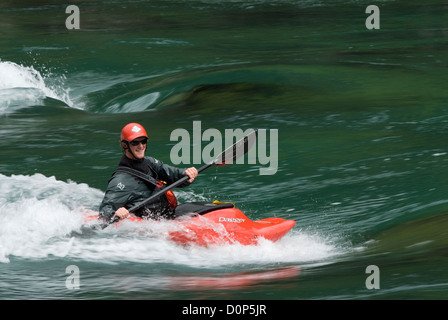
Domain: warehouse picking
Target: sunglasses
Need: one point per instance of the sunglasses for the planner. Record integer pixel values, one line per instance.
(136, 143)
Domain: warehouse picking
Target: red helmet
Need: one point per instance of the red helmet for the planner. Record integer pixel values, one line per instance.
(132, 131)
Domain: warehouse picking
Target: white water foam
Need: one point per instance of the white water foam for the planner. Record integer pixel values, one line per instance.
(38, 212)
(40, 217)
(22, 86)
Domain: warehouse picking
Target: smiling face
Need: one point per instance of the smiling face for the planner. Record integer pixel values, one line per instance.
(136, 148)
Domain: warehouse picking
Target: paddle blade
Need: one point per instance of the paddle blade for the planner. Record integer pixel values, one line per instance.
(239, 149)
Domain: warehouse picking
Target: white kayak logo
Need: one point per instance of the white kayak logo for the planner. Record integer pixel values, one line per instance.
(235, 220)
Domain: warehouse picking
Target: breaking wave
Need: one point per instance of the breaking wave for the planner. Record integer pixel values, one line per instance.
(23, 86)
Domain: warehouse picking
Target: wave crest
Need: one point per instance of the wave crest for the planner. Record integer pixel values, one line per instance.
(22, 86)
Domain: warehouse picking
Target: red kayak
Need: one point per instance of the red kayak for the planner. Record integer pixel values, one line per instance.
(220, 223)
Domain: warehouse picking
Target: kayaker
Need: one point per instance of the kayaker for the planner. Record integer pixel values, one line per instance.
(125, 189)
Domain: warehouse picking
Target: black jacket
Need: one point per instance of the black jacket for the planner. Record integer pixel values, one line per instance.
(126, 190)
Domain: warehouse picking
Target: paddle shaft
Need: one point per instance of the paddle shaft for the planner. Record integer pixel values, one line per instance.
(167, 188)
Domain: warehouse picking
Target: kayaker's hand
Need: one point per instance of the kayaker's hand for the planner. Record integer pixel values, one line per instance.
(122, 213)
(192, 173)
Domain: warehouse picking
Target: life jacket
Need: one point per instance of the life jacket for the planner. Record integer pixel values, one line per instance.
(172, 200)
(169, 196)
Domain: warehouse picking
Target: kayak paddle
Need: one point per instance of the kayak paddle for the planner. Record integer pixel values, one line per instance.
(235, 151)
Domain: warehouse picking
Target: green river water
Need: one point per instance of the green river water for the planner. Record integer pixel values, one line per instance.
(362, 155)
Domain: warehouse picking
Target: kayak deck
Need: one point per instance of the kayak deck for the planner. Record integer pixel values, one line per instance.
(230, 225)
(221, 225)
